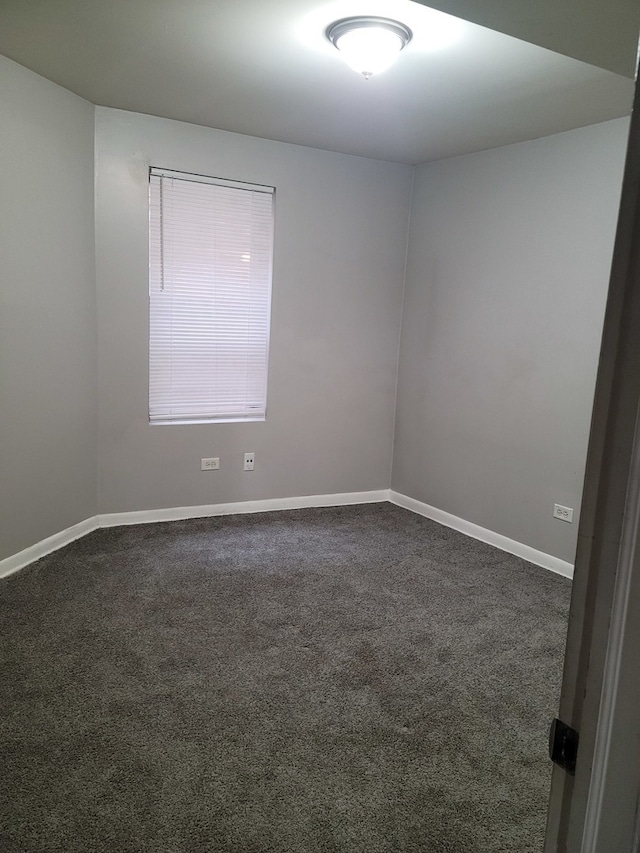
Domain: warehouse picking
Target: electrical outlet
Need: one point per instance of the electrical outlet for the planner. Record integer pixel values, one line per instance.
(212, 463)
(249, 461)
(564, 513)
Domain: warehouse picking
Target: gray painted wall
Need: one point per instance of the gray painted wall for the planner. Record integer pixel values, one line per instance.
(340, 243)
(47, 310)
(507, 276)
(506, 280)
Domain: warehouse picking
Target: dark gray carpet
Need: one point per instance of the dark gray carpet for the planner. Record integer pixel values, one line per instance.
(353, 679)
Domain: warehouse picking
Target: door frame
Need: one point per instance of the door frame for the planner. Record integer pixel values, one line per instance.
(600, 691)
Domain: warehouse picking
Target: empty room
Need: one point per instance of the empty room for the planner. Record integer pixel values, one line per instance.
(297, 366)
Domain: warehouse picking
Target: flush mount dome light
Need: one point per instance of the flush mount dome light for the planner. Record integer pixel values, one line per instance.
(369, 45)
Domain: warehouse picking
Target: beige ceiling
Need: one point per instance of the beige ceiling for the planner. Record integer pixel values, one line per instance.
(265, 68)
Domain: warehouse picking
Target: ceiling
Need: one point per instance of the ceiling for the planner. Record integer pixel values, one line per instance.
(265, 68)
(600, 32)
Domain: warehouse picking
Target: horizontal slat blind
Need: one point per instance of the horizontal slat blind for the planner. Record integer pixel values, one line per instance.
(210, 298)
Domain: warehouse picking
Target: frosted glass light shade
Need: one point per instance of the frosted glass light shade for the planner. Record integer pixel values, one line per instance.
(369, 45)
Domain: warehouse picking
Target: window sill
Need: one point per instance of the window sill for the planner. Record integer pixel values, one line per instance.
(260, 419)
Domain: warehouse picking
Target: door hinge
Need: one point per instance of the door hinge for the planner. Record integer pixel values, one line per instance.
(563, 746)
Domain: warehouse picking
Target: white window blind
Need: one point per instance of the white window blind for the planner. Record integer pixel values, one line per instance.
(210, 297)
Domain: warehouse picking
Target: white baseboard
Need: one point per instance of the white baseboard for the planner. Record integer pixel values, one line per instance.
(18, 561)
(115, 519)
(23, 558)
(539, 558)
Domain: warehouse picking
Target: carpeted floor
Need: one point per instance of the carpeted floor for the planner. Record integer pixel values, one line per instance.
(354, 679)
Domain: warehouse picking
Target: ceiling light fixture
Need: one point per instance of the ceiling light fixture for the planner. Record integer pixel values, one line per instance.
(369, 45)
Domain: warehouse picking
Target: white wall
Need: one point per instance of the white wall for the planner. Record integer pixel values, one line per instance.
(48, 397)
(340, 242)
(507, 276)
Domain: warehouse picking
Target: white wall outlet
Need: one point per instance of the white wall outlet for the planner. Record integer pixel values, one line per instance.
(564, 513)
(249, 461)
(212, 463)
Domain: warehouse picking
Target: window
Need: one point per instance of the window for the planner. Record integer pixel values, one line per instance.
(210, 259)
